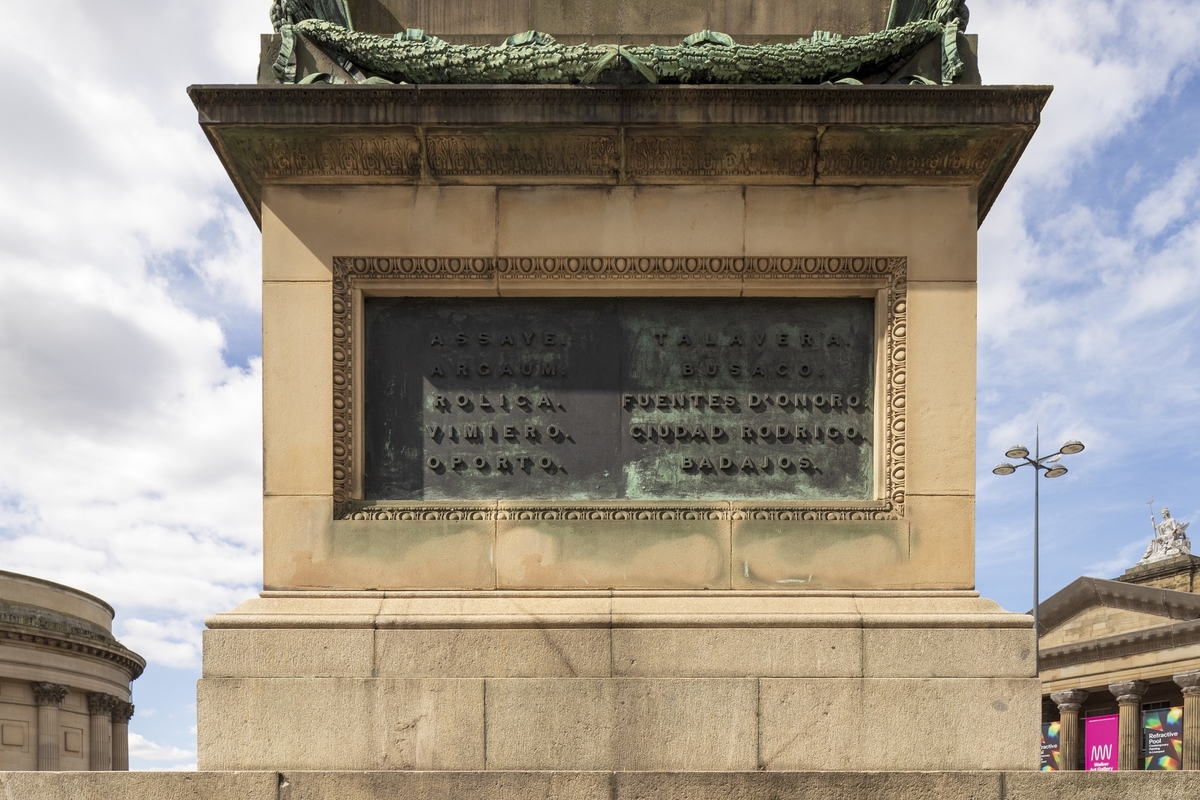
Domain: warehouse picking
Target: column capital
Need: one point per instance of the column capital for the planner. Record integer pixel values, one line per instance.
(1128, 691)
(1069, 700)
(49, 694)
(122, 712)
(100, 704)
(1189, 682)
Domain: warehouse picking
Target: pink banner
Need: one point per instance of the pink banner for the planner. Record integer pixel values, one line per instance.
(1100, 738)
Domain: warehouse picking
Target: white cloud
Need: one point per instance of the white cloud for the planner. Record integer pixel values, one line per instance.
(1088, 299)
(1169, 203)
(1108, 61)
(172, 643)
(130, 465)
(146, 750)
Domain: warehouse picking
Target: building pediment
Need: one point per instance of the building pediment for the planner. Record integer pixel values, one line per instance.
(1093, 620)
(1086, 594)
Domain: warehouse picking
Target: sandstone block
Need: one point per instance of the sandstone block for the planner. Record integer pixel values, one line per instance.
(339, 723)
(737, 652)
(514, 653)
(626, 724)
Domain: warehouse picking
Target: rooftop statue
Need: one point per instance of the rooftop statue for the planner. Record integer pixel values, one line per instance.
(1170, 539)
(414, 56)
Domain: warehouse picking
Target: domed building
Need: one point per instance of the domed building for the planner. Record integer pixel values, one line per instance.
(64, 679)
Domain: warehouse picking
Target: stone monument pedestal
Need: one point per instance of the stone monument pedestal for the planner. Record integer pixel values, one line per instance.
(624, 425)
(618, 681)
(786, 628)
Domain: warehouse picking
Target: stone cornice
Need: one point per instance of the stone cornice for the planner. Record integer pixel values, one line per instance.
(109, 650)
(1143, 573)
(1084, 593)
(1163, 637)
(803, 135)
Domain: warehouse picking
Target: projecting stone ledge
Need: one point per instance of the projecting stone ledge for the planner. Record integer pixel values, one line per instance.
(631, 135)
(600, 785)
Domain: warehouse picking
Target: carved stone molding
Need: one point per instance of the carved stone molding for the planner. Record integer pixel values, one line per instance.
(653, 153)
(819, 514)
(1189, 682)
(362, 273)
(100, 704)
(947, 154)
(49, 694)
(1128, 691)
(121, 712)
(114, 654)
(476, 153)
(1069, 700)
(394, 105)
(800, 135)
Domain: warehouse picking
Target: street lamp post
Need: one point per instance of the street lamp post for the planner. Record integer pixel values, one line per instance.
(1049, 465)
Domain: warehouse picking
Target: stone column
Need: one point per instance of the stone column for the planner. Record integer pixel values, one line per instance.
(121, 713)
(1129, 704)
(1068, 703)
(49, 697)
(100, 732)
(1190, 683)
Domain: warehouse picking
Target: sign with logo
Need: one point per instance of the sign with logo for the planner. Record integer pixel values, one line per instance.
(1162, 738)
(1051, 755)
(1100, 738)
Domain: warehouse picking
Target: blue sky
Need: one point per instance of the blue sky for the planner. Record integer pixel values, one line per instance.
(129, 313)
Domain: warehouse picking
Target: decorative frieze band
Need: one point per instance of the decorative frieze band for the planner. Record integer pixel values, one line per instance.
(621, 267)
(365, 273)
(769, 154)
(626, 512)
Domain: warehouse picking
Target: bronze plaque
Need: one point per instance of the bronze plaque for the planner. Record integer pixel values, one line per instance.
(619, 398)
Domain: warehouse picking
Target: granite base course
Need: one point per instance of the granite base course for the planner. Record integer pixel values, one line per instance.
(567, 785)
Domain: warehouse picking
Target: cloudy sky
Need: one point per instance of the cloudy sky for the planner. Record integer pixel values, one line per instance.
(129, 312)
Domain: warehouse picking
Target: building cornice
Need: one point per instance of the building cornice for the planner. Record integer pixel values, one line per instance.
(1085, 593)
(1163, 637)
(78, 641)
(616, 135)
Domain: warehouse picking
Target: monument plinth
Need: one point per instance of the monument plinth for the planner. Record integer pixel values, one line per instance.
(617, 426)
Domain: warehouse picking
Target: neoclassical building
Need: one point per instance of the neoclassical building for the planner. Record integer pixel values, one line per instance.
(64, 679)
(1126, 646)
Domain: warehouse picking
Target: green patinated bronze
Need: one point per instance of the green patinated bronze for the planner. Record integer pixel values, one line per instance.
(607, 399)
(706, 57)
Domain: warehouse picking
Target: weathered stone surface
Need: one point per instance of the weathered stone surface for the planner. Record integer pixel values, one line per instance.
(872, 135)
(326, 723)
(496, 785)
(321, 653)
(807, 723)
(536, 653)
(139, 785)
(676, 554)
(1101, 785)
(786, 554)
(627, 724)
(825, 786)
(737, 652)
(599, 785)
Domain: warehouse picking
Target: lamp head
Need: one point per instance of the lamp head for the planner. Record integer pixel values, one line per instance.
(1017, 451)
(1057, 471)
(1071, 448)
(1004, 469)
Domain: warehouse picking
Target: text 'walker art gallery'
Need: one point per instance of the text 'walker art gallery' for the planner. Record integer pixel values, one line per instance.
(619, 409)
